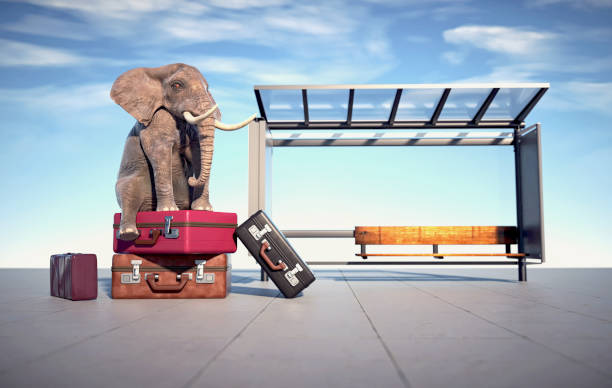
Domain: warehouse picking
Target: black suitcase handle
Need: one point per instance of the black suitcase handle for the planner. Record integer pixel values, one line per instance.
(262, 252)
(156, 287)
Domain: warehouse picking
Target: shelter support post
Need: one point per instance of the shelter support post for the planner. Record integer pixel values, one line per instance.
(260, 162)
(522, 270)
(529, 212)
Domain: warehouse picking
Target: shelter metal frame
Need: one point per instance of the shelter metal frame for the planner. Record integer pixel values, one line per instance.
(484, 114)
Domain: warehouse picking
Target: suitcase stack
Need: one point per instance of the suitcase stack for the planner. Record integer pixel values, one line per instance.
(179, 254)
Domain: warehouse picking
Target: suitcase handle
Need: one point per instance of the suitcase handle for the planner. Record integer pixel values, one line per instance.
(155, 233)
(262, 252)
(166, 287)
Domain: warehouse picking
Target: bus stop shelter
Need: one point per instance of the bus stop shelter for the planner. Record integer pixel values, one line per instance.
(405, 115)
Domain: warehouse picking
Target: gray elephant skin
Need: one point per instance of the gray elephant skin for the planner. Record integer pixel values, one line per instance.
(168, 153)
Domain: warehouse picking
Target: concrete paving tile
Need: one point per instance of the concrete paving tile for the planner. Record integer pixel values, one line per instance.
(31, 308)
(326, 309)
(270, 361)
(596, 353)
(586, 281)
(406, 312)
(206, 318)
(477, 362)
(120, 360)
(27, 340)
(559, 298)
(525, 317)
(292, 319)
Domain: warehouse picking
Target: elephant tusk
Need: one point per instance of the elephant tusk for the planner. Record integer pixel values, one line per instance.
(233, 127)
(195, 120)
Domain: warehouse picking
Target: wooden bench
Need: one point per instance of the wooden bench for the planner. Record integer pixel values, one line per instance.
(442, 235)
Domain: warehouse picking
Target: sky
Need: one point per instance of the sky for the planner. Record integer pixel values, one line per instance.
(62, 135)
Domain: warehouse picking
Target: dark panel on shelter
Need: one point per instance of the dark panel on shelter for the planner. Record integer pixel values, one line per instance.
(529, 179)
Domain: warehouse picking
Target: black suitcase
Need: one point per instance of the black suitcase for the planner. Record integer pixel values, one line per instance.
(276, 256)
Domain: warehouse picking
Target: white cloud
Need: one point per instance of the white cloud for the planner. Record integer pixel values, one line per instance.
(309, 43)
(293, 71)
(580, 96)
(25, 54)
(47, 26)
(507, 40)
(439, 11)
(326, 32)
(60, 98)
(447, 12)
(573, 3)
(213, 30)
(453, 57)
(301, 25)
(242, 4)
(120, 9)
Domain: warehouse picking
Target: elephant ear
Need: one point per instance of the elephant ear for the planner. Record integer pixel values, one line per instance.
(139, 93)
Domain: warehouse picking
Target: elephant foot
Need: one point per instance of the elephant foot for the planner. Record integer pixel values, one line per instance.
(166, 206)
(201, 204)
(128, 233)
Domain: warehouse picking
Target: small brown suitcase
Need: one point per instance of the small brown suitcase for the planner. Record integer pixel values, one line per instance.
(170, 276)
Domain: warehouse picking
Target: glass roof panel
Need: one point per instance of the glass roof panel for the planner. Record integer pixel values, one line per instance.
(373, 104)
(328, 104)
(462, 104)
(509, 102)
(283, 104)
(418, 104)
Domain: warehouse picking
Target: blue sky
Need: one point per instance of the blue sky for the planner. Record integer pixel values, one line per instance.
(63, 136)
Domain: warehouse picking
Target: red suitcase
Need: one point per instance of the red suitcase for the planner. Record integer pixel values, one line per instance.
(170, 276)
(74, 276)
(180, 232)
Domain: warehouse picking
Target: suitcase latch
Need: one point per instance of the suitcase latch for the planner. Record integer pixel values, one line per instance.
(202, 277)
(170, 233)
(134, 277)
(136, 269)
(256, 233)
(290, 275)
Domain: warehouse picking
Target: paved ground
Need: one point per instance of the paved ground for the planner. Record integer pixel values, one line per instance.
(351, 328)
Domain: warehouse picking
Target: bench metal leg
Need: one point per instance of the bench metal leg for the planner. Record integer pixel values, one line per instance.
(263, 276)
(522, 270)
(363, 252)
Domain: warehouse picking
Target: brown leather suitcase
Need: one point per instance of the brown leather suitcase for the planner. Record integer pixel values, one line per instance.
(170, 276)
(74, 276)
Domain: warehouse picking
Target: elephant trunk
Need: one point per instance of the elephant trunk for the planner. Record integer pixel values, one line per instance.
(207, 139)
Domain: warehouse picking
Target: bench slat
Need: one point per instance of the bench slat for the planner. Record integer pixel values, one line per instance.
(435, 235)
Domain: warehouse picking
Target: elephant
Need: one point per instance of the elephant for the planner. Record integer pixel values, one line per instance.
(167, 156)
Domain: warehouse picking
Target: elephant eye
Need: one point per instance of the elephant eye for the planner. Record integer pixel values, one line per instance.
(176, 85)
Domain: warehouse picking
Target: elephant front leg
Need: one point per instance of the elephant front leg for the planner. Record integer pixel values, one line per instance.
(129, 190)
(159, 154)
(162, 175)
